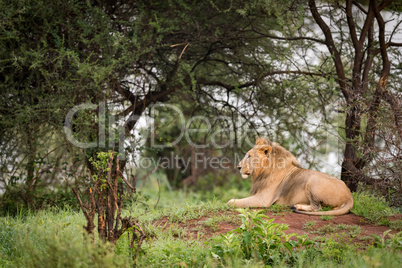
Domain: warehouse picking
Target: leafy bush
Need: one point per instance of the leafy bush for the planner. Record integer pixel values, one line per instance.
(338, 249)
(394, 242)
(16, 198)
(374, 208)
(168, 251)
(259, 239)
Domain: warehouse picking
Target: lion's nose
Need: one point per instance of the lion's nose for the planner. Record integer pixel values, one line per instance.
(238, 167)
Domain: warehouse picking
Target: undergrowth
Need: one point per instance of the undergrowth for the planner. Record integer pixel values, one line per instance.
(260, 241)
(54, 237)
(375, 209)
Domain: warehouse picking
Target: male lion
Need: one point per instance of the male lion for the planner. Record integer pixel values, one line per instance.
(278, 178)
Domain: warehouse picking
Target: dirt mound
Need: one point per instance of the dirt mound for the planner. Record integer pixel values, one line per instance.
(355, 228)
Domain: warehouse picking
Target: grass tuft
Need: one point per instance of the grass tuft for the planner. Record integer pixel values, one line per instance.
(374, 208)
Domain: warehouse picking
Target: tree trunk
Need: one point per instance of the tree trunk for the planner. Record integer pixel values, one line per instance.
(350, 158)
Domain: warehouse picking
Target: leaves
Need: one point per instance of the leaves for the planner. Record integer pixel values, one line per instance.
(258, 237)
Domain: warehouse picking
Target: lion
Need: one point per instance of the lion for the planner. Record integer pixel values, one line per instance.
(278, 178)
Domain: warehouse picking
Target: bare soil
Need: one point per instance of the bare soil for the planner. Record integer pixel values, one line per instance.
(200, 229)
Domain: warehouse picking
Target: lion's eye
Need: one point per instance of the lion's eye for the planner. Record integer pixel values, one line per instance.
(248, 156)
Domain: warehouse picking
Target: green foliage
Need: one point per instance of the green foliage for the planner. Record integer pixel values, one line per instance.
(214, 221)
(168, 251)
(394, 241)
(100, 166)
(58, 251)
(280, 209)
(17, 199)
(351, 230)
(101, 162)
(338, 251)
(192, 211)
(223, 186)
(261, 239)
(309, 225)
(372, 207)
(377, 258)
(326, 217)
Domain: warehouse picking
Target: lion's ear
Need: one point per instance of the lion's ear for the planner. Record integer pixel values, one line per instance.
(264, 149)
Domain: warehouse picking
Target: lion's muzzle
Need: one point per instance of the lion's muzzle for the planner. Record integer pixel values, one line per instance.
(243, 175)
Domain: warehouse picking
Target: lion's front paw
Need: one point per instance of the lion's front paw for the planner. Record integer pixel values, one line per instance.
(231, 202)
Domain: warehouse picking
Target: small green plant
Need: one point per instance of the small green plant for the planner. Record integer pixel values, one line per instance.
(396, 224)
(326, 229)
(394, 241)
(280, 209)
(308, 226)
(326, 208)
(352, 230)
(338, 248)
(326, 217)
(177, 231)
(366, 238)
(214, 221)
(259, 238)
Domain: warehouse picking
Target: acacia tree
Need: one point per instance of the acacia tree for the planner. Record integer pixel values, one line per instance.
(369, 42)
(359, 48)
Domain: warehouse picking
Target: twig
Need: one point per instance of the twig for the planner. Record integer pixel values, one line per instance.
(142, 237)
(81, 204)
(125, 180)
(159, 193)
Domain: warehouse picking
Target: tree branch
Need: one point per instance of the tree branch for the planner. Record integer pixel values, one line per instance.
(295, 38)
(369, 59)
(367, 24)
(360, 7)
(329, 41)
(351, 24)
(392, 44)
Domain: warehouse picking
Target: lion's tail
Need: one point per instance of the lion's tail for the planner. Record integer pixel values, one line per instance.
(340, 211)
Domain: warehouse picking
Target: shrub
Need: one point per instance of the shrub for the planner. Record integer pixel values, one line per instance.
(372, 207)
(16, 198)
(259, 238)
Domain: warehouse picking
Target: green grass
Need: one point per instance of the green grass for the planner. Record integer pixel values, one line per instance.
(375, 209)
(280, 209)
(308, 225)
(351, 230)
(55, 237)
(51, 238)
(214, 220)
(193, 211)
(326, 217)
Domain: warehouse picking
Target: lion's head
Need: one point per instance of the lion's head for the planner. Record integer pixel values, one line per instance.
(265, 156)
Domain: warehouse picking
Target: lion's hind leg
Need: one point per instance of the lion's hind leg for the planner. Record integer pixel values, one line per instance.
(315, 205)
(302, 207)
